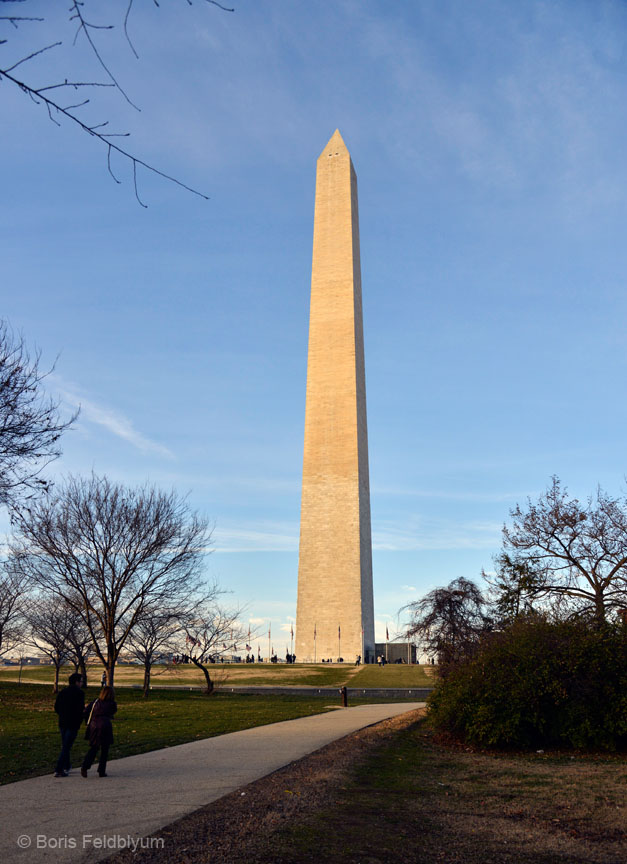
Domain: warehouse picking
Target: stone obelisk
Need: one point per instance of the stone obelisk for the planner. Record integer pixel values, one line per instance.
(335, 615)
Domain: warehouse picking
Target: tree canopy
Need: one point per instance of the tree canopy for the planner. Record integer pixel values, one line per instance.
(30, 422)
(569, 554)
(449, 621)
(110, 552)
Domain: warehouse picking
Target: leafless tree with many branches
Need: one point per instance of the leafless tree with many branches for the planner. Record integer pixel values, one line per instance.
(210, 632)
(110, 552)
(450, 621)
(14, 595)
(48, 624)
(574, 554)
(30, 423)
(154, 637)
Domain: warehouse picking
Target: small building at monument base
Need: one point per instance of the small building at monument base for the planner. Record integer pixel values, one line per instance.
(396, 652)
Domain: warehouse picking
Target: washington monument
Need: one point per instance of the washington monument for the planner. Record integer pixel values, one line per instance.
(335, 615)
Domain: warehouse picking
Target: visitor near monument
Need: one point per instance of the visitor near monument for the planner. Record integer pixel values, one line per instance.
(69, 705)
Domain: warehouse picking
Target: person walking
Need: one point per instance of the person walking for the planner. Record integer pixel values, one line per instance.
(69, 705)
(99, 715)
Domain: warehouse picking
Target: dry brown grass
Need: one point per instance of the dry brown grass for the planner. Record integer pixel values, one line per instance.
(227, 674)
(393, 793)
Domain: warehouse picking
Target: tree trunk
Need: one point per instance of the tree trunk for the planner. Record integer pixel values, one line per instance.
(146, 679)
(57, 667)
(599, 611)
(110, 670)
(82, 668)
(208, 681)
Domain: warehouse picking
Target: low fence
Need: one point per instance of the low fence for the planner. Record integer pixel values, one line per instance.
(420, 694)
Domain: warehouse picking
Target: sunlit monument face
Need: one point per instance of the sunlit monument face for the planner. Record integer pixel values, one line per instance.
(335, 614)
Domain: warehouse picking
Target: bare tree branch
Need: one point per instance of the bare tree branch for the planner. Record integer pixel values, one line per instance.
(14, 593)
(210, 632)
(134, 159)
(573, 552)
(54, 109)
(29, 57)
(85, 27)
(449, 621)
(30, 425)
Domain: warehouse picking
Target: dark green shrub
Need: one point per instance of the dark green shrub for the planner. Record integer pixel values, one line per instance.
(536, 684)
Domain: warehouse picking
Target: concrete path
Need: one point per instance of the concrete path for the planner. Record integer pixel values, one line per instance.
(77, 820)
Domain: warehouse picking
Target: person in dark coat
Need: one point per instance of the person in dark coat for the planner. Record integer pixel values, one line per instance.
(99, 715)
(69, 705)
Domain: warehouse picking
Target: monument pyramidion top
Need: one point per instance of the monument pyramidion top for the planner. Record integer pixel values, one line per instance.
(335, 147)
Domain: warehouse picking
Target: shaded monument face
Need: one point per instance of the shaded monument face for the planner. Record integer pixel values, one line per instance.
(335, 615)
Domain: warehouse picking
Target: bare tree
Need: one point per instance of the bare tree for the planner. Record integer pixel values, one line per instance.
(30, 423)
(111, 552)
(57, 98)
(48, 623)
(153, 638)
(14, 594)
(80, 644)
(210, 632)
(576, 553)
(449, 621)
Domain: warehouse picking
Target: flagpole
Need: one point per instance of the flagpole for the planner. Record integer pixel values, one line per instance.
(339, 642)
(269, 638)
(314, 643)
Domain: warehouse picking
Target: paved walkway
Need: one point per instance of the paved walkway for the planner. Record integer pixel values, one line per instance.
(77, 820)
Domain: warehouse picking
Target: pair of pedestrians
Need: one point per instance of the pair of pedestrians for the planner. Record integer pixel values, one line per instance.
(70, 706)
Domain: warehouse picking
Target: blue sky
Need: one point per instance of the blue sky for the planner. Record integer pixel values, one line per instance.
(489, 144)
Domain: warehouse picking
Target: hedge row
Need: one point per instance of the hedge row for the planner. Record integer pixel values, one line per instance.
(537, 684)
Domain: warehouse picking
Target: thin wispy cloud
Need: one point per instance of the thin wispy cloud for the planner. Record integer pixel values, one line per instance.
(436, 535)
(259, 537)
(443, 495)
(111, 420)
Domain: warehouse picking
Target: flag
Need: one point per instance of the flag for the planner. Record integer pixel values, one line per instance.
(249, 647)
(387, 635)
(269, 630)
(314, 631)
(292, 631)
(224, 646)
(339, 632)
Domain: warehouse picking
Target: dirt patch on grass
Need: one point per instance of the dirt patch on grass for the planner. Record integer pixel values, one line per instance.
(393, 793)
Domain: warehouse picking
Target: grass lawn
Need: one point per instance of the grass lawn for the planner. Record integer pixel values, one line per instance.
(393, 675)
(257, 674)
(415, 801)
(29, 737)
